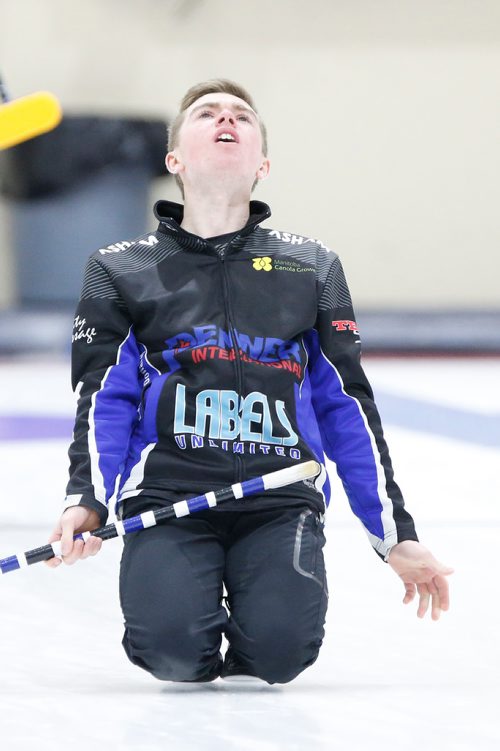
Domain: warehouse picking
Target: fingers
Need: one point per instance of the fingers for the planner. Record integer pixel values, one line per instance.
(424, 600)
(442, 569)
(81, 550)
(410, 592)
(442, 587)
(76, 552)
(54, 537)
(435, 593)
(421, 571)
(67, 542)
(73, 550)
(91, 547)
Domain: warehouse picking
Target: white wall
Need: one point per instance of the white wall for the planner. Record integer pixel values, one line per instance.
(382, 115)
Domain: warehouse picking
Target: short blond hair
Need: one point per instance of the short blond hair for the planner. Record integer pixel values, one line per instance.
(213, 86)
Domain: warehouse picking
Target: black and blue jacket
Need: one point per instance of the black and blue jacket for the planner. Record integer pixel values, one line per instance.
(203, 362)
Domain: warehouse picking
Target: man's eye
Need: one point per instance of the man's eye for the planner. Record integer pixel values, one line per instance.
(205, 113)
(244, 117)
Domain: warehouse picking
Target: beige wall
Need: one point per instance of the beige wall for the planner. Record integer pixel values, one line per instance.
(383, 118)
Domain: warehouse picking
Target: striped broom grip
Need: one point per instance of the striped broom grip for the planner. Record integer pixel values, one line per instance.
(209, 500)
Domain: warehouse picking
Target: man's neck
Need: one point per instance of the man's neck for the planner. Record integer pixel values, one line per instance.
(210, 215)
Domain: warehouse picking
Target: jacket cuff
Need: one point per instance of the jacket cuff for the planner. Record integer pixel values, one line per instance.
(408, 534)
(89, 502)
(384, 547)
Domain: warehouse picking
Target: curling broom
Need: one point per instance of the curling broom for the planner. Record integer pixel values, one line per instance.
(277, 479)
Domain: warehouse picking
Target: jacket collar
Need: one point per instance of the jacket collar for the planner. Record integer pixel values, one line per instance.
(170, 216)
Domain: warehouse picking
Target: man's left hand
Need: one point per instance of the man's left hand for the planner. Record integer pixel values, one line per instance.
(421, 572)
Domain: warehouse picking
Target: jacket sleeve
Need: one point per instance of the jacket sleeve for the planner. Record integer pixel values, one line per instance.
(105, 374)
(348, 418)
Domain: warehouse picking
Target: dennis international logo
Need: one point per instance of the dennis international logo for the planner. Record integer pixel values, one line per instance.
(263, 264)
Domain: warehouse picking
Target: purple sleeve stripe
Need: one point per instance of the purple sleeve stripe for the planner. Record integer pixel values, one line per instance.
(356, 456)
(310, 432)
(350, 443)
(112, 416)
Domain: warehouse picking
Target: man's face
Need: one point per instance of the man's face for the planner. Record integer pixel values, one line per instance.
(220, 138)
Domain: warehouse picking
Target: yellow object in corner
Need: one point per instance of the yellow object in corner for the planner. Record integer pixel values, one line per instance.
(27, 117)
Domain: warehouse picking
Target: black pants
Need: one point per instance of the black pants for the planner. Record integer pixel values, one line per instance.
(171, 593)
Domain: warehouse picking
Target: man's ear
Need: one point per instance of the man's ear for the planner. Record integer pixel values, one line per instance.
(263, 170)
(173, 163)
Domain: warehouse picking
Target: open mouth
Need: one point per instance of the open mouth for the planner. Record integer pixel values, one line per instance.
(226, 136)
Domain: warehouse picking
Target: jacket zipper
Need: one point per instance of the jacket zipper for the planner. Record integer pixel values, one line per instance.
(221, 255)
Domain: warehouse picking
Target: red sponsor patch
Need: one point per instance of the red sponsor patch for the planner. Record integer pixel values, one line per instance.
(346, 326)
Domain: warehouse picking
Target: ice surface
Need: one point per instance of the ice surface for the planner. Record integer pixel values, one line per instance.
(384, 679)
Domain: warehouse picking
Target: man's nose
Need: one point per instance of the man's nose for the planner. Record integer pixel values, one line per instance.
(226, 116)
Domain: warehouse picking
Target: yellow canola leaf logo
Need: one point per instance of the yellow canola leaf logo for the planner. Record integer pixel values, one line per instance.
(263, 264)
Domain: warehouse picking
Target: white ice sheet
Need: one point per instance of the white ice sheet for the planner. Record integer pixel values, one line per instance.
(384, 679)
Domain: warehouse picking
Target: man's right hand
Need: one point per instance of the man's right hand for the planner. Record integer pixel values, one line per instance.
(75, 519)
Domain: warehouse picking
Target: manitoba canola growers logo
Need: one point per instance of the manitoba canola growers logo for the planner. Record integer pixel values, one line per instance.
(279, 264)
(263, 264)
